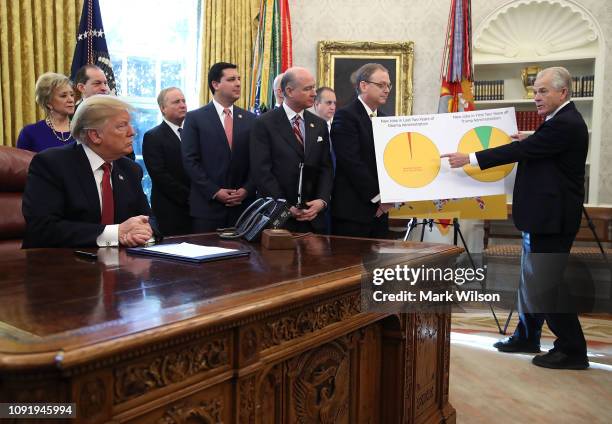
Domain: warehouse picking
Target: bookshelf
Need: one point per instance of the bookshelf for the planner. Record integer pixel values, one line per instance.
(543, 33)
(514, 102)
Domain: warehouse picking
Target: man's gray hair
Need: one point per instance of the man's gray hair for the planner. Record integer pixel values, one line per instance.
(278, 97)
(277, 81)
(93, 113)
(560, 78)
(287, 79)
(364, 73)
(161, 97)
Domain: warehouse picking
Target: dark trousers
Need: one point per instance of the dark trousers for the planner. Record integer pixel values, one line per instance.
(302, 227)
(173, 224)
(226, 219)
(201, 225)
(377, 228)
(543, 262)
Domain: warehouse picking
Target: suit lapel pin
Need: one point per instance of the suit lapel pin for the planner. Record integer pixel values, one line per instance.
(311, 125)
(120, 177)
(319, 139)
(239, 116)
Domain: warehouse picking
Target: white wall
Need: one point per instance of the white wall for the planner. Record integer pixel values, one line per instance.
(424, 23)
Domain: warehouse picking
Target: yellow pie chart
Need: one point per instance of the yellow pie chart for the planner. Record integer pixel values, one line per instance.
(412, 160)
(481, 138)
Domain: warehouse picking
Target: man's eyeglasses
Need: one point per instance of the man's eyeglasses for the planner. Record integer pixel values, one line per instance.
(381, 85)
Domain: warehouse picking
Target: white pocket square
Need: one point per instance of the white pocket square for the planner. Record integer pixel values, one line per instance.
(319, 139)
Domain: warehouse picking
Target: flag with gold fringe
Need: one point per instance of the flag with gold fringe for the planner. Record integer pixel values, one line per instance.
(457, 72)
(456, 95)
(457, 79)
(272, 53)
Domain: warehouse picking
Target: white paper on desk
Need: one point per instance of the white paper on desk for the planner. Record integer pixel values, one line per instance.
(188, 250)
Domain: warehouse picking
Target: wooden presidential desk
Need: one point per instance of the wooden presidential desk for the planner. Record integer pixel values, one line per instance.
(277, 337)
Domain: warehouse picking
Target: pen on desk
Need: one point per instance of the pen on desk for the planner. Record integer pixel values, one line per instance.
(86, 255)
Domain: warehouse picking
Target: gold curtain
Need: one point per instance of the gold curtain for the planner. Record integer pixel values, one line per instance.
(230, 28)
(35, 37)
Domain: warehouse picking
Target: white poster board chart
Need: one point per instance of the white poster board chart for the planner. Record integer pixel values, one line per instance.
(408, 150)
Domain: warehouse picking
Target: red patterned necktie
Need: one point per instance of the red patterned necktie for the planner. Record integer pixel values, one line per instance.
(228, 123)
(297, 130)
(108, 203)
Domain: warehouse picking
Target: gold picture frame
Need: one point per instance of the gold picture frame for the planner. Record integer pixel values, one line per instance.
(337, 60)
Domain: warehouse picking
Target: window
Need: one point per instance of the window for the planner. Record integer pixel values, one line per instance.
(153, 44)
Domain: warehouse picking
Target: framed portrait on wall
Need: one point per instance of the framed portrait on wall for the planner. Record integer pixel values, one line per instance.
(338, 61)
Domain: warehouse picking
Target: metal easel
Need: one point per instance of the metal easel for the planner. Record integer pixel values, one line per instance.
(413, 223)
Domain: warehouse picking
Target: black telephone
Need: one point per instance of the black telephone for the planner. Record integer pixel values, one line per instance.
(261, 214)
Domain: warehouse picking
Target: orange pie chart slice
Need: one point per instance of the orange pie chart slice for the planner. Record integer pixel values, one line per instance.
(411, 159)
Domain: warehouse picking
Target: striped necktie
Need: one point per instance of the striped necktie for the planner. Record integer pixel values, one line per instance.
(297, 130)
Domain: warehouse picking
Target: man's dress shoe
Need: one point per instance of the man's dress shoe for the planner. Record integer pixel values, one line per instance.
(514, 345)
(561, 361)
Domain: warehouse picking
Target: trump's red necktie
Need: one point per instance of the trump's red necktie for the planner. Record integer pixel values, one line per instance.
(108, 203)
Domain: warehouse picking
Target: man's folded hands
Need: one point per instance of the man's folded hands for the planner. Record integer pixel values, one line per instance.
(135, 231)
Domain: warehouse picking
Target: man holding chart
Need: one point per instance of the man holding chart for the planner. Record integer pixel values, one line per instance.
(356, 207)
(547, 205)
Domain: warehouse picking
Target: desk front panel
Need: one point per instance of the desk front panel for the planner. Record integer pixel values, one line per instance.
(275, 337)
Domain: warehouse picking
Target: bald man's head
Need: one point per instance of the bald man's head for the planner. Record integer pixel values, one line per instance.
(298, 86)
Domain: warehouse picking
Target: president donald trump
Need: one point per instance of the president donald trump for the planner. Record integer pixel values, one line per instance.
(87, 193)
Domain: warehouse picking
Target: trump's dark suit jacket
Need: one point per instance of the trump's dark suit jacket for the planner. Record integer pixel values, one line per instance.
(161, 151)
(549, 187)
(276, 155)
(61, 205)
(211, 164)
(356, 181)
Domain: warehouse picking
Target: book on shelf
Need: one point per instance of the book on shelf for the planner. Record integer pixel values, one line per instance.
(582, 86)
(489, 90)
(587, 85)
(528, 120)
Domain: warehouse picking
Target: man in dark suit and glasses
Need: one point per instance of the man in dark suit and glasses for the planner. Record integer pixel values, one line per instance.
(356, 207)
(87, 193)
(161, 151)
(285, 137)
(216, 153)
(546, 207)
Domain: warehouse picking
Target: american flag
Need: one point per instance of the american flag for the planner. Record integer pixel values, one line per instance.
(91, 43)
